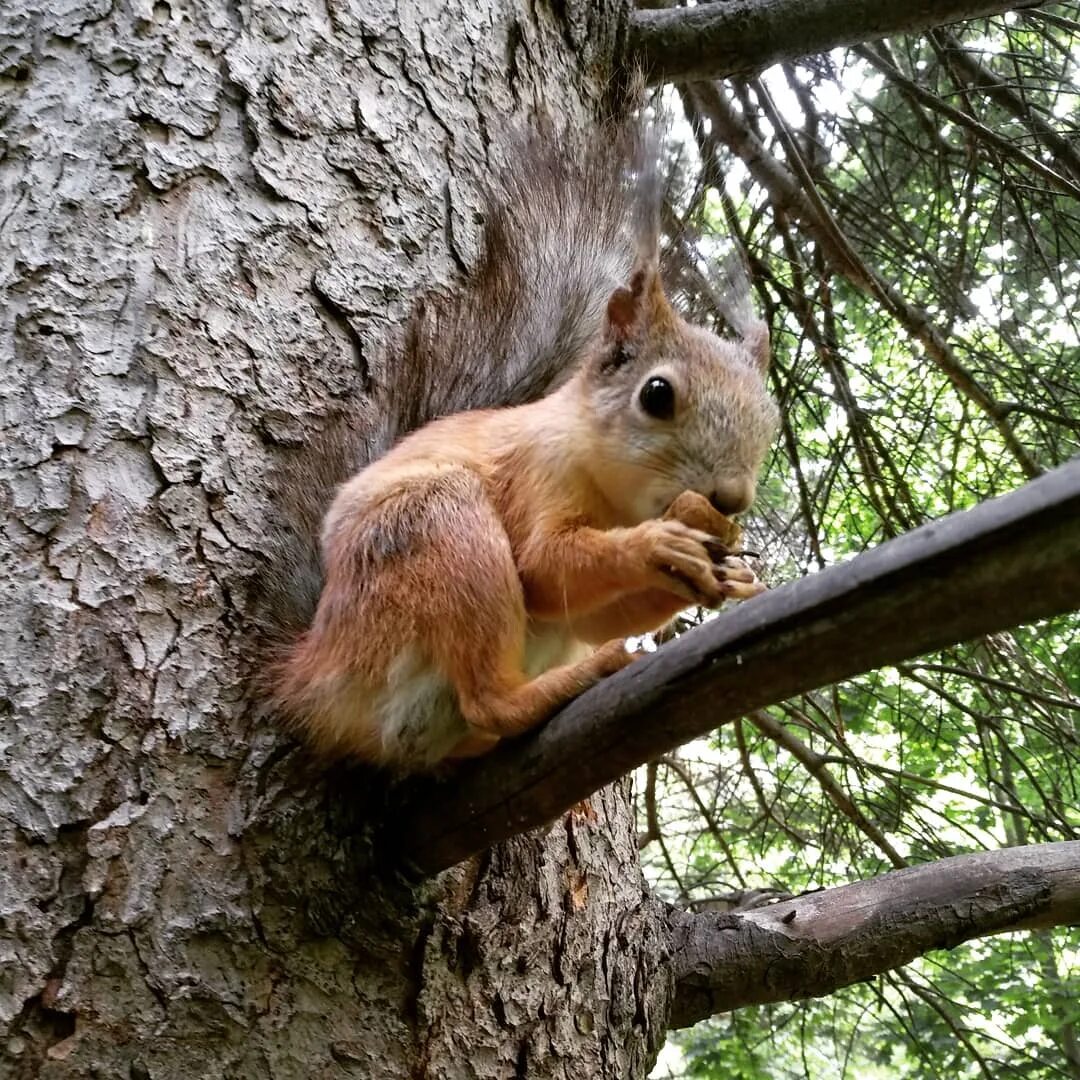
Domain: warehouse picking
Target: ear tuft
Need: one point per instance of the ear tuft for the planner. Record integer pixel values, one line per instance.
(635, 307)
(756, 340)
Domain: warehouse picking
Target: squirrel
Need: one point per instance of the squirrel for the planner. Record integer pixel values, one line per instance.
(553, 459)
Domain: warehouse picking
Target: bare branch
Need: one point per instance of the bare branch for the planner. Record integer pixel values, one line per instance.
(713, 41)
(759, 792)
(799, 196)
(949, 1019)
(815, 764)
(815, 944)
(1009, 561)
(981, 78)
(876, 57)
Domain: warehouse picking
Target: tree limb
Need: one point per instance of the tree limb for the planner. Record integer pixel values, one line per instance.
(799, 196)
(982, 79)
(877, 58)
(816, 766)
(1008, 561)
(739, 37)
(815, 944)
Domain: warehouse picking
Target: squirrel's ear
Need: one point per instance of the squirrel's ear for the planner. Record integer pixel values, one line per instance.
(756, 340)
(633, 309)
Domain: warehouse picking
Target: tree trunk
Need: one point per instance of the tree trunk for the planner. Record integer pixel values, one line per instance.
(212, 213)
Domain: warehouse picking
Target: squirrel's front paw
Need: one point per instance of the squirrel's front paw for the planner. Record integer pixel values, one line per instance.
(737, 580)
(678, 561)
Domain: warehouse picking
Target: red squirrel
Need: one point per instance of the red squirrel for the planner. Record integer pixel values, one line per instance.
(554, 453)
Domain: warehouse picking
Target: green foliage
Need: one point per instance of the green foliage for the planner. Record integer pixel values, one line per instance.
(922, 296)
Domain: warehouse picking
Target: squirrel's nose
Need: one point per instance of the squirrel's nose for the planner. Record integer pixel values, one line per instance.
(733, 496)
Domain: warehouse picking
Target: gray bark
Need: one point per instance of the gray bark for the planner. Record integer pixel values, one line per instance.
(814, 944)
(211, 213)
(739, 37)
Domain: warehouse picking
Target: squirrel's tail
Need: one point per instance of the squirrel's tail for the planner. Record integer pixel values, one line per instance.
(563, 223)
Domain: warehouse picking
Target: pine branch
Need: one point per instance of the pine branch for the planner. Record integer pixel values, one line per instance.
(1009, 561)
(813, 945)
(740, 37)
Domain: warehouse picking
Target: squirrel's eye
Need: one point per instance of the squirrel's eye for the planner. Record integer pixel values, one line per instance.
(658, 398)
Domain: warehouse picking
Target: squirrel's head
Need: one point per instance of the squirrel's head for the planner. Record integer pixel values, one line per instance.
(677, 408)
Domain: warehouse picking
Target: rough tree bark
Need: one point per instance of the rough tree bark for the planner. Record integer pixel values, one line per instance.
(712, 41)
(211, 212)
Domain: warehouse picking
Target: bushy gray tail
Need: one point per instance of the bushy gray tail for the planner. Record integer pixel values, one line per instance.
(564, 221)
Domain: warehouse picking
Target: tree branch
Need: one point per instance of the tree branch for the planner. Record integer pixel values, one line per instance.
(799, 196)
(982, 79)
(816, 766)
(1008, 561)
(877, 58)
(739, 37)
(815, 944)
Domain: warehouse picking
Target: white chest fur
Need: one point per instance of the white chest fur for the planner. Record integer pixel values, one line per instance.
(417, 712)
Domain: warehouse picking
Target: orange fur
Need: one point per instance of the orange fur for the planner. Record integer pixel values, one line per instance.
(467, 568)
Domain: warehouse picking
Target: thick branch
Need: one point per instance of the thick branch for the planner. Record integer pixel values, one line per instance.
(1009, 561)
(738, 37)
(815, 944)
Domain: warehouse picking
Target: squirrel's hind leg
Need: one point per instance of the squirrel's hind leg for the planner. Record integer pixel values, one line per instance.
(474, 627)
(509, 703)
